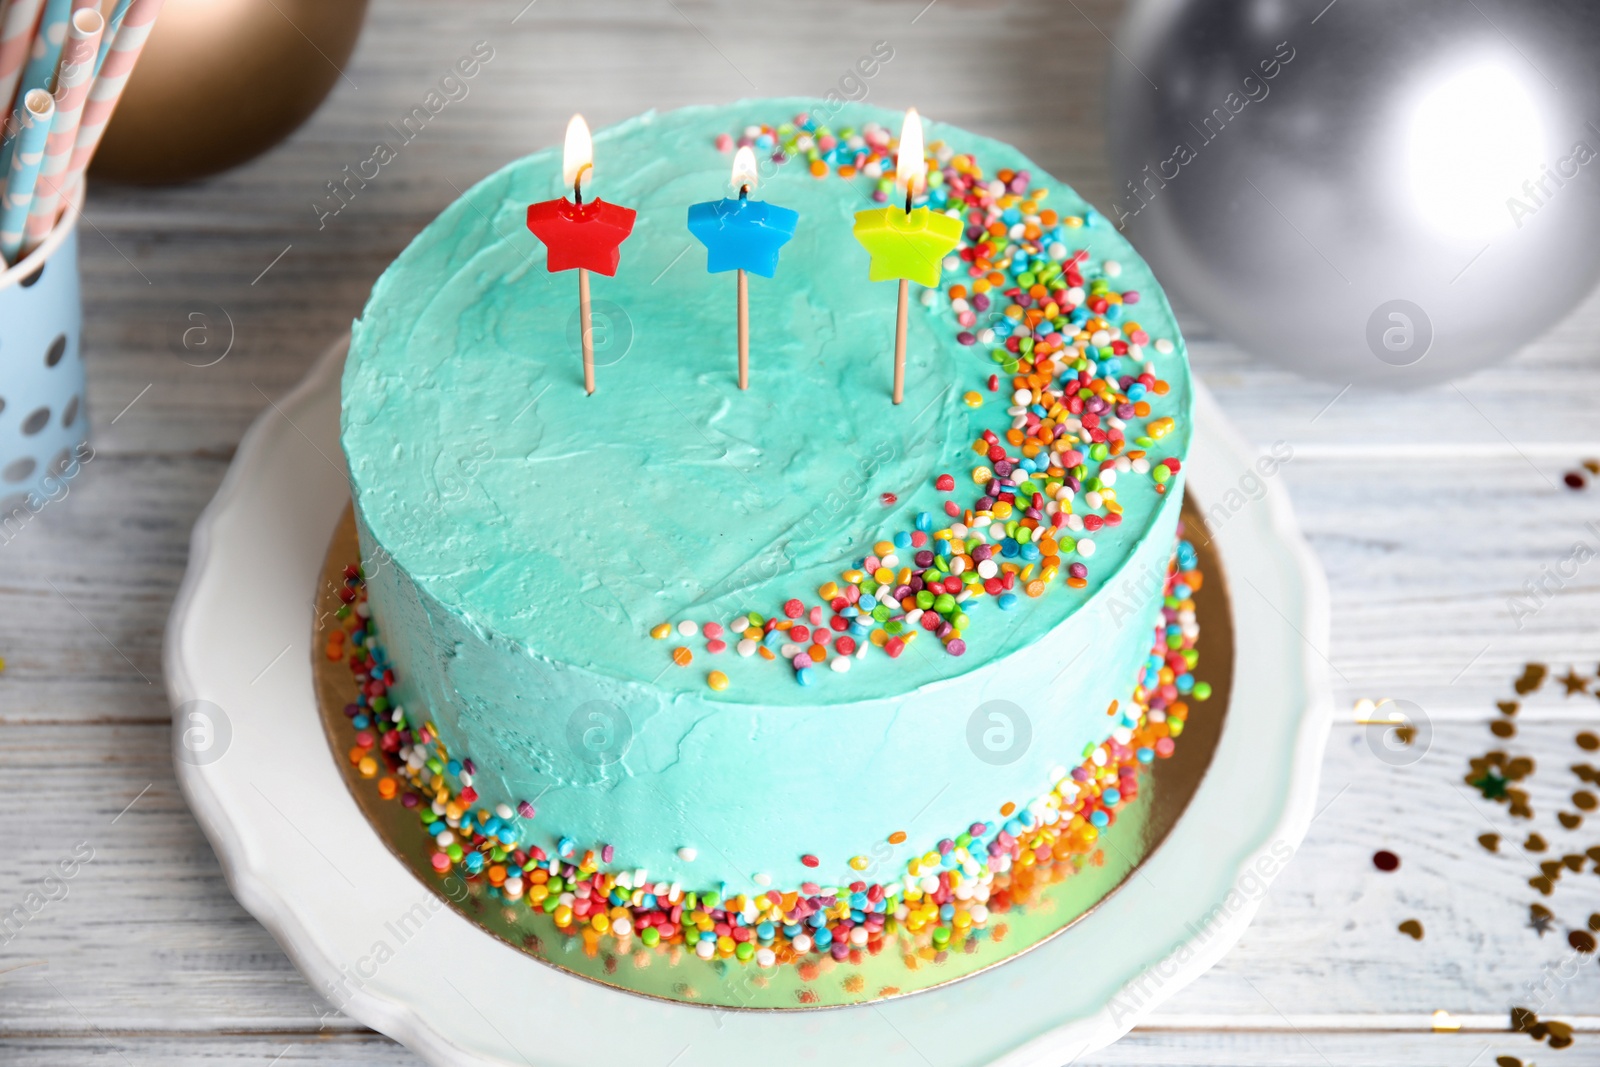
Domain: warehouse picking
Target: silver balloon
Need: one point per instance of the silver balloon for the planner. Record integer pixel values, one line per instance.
(1364, 190)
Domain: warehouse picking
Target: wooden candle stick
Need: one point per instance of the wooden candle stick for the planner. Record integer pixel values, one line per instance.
(900, 342)
(744, 332)
(586, 326)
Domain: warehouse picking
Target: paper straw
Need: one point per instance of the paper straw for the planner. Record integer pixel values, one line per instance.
(39, 109)
(16, 34)
(113, 24)
(40, 69)
(125, 49)
(72, 92)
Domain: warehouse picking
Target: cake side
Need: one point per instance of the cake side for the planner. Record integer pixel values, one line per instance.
(991, 890)
(752, 789)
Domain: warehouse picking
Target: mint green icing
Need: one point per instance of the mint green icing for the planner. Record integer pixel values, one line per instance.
(530, 536)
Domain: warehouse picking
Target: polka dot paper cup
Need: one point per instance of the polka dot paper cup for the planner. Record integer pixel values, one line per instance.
(43, 426)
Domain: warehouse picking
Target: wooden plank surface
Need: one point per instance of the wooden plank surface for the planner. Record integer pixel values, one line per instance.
(1428, 517)
(1243, 1048)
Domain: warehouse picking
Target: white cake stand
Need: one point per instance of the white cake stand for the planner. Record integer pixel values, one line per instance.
(302, 859)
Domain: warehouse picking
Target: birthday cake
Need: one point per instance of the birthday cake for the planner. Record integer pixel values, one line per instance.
(779, 672)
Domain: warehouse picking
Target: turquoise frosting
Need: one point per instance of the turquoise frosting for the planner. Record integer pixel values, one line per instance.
(527, 537)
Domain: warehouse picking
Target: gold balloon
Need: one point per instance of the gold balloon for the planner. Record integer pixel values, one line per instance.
(221, 81)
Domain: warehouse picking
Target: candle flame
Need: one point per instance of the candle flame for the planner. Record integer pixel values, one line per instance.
(744, 169)
(577, 156)
(910, 168)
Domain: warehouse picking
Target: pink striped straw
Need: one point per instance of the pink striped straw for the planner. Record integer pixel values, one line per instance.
(107, 90)
(72, 92)
(16, 35)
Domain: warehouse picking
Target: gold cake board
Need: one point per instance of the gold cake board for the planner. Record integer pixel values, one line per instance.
(906, 964)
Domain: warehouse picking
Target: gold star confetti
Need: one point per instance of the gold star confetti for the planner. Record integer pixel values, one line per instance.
(1574, 682)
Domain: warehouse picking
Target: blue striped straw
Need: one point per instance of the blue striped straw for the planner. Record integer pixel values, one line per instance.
(38, 112)
(113, 24)
(40, 72)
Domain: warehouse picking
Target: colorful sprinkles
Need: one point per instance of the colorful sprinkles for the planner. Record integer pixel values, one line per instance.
(1080, 387)
(940, 900)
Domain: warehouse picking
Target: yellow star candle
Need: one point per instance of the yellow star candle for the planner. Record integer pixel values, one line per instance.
(905, 244)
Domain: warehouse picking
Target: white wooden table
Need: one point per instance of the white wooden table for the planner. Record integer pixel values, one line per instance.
(1429, 511)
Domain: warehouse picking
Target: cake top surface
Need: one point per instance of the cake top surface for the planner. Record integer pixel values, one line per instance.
(572, 525)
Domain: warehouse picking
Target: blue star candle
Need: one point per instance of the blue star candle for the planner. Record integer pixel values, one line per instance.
(742, 235)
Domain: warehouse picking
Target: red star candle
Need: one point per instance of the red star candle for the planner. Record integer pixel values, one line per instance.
(581, 236)
(907, 245)
(741, 235)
